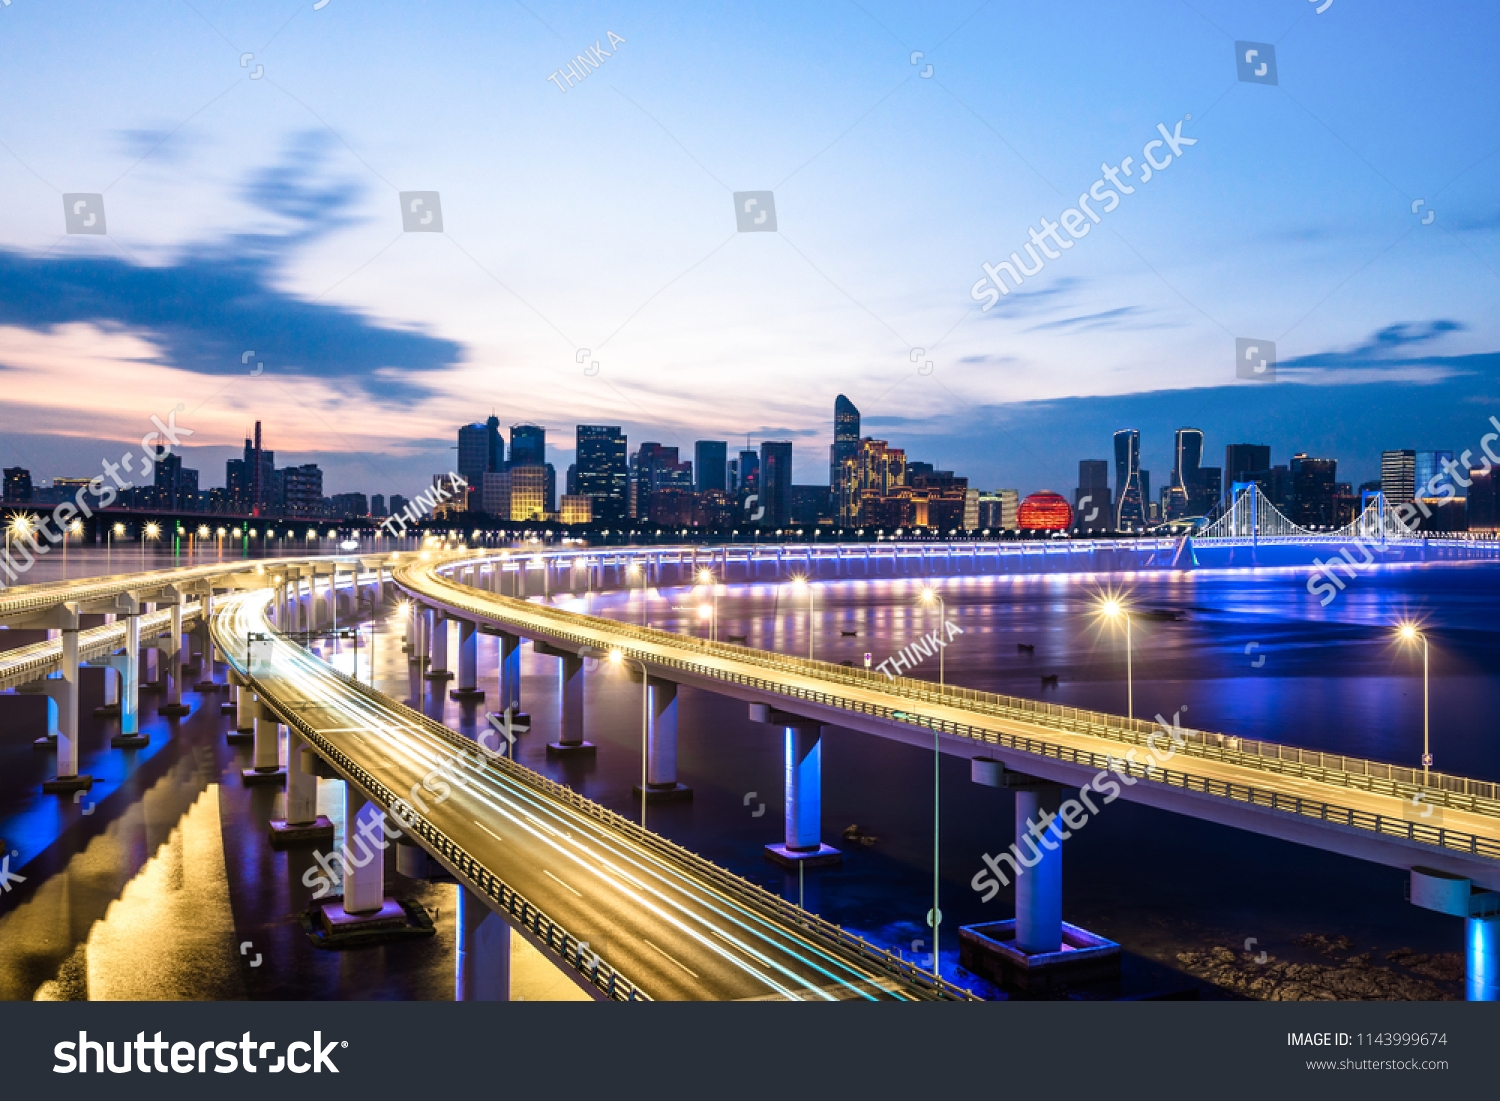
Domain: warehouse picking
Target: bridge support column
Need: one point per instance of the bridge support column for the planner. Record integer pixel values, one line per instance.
(364, 860)
(302, 823)
(570, 705)
(1038, 948)
(661, 745)
(509, 647)
(67, 779)
(437, 628)
(266, 767)
(468, 663)
(1483, 958)
(483, 952)
(803, 782)
(174, 664)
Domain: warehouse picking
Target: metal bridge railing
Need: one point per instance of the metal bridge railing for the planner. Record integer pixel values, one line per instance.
(1113, 726)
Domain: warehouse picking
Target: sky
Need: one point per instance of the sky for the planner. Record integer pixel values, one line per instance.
(251, 159)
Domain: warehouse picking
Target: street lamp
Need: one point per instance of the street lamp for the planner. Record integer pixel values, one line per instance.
(153, 531)
(374, 634)
(1409, 633)
(636, 571)
(617, 657)
(800, 583)
(20, 526)
(109, 546)
(706, 577)
(75, 528)
(930, 596)
(1112, 608)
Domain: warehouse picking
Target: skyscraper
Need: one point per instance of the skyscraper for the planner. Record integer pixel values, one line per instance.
(1313, 493)
(776, 482)
(1185, 490)
(1241, 460)
(496, 445)
(473, 453)
(528, 445)
(710, 465)
(17, 485)
(1398, 476)
(1130, 510)
(1092, 504)
(749, 484)
(845, 437)
(603, 471)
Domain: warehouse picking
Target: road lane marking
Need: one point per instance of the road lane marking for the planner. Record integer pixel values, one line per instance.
(495, 835)
(549, 875)
(679, 963)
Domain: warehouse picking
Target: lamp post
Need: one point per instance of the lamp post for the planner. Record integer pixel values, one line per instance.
(617, 657)
(636, 571)
(706, 577)
(1113, 608)
(1410, 633)
(802, 583)
(153, 531)
(75, 528)
(19, 526)
(930, 596)
(374, 634)
(109, 545)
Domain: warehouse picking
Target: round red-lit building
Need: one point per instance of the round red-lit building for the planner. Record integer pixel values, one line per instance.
(1045, 512)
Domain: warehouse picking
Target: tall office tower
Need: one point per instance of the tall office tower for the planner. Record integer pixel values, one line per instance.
(1431, 476)
(258, 474)
(659, 481)
(868, 481)
(1185, 487)
(1241, 460)
(551, 487)
(496, 442)
(776, 482)
(473, 453)
(1398, 476)
(377, 505)
(710, 463)
(570, 481)
(248, 480)
(1130, 509)
(1092, 504)
(603, 471)
(1210, 489)
(1313, 494)
(528, 445)
(845, 437)
(732, 479)
(1145, 480)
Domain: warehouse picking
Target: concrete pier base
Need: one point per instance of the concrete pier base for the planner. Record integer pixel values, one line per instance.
(824, 856)
(482, 971)
(990, 951)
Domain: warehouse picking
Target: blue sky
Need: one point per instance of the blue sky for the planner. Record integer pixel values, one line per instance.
(262, 214)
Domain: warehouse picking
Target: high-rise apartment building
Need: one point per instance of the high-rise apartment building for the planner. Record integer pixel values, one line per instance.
(845, 438)
(528, 445)
(603, 471)
(1093, 507)
(1243, 461)
(17, 485)
(1398, 476)
(1314, 503)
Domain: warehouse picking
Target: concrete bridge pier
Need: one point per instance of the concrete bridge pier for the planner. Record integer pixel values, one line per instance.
(302, 823)
(508, 647)
(1038, 948)
(803, 780)
(570, 704)
(437, 632)
(1447, 893)
(64, 690)
(172, 648)
(266, 763)
(482, 972)
(661, 745)
(364, 862)
(468, 663)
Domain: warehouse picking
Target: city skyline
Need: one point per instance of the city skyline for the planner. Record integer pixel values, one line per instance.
(277, 261)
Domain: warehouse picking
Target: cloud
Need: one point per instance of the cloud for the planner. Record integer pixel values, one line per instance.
(1394, 353)
(216, 300)
(1108, 319)
(1019, 302)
